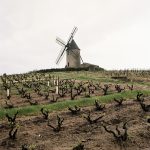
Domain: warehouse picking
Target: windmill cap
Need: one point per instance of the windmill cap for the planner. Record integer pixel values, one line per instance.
(73, 45)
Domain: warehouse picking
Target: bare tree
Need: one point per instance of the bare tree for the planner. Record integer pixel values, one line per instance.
(119, 101)
(99, 107)
(74, 110)
(59, 124)
(95, 120)
(118, 135)
(45, 113)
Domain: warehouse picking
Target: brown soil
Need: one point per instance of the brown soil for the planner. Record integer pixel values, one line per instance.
(34, 131)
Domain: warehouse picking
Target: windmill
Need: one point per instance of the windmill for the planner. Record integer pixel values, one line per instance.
(72, 51)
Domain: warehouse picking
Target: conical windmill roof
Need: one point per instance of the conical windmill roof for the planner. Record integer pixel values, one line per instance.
(73, 45)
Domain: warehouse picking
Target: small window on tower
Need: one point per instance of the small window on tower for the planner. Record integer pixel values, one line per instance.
(68, 64)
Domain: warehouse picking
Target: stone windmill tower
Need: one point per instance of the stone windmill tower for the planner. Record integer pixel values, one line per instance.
(72, 51)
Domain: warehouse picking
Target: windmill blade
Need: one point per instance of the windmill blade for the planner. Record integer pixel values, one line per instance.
(81, 59)
(61, 54)
(60, 41)
(72, 35)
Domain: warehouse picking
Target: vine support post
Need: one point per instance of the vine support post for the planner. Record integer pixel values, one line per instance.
(48, 83)
(57, 86)
(8, 92)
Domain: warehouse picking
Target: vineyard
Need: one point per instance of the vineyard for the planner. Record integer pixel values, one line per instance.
(75, 110)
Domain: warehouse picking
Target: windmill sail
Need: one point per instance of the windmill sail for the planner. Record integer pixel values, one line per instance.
(60, 41)
(73, 45)
(72, 35)
(61, 54)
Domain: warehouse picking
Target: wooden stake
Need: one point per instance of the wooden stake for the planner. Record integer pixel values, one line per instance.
(47, 83)
(8, 92)
(57, 86)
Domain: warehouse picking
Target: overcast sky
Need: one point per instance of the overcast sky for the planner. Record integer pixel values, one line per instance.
(114, 34)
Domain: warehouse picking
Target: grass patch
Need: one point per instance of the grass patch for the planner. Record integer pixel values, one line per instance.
(33, 110)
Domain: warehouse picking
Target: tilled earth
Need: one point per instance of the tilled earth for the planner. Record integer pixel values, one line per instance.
(35, 133)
